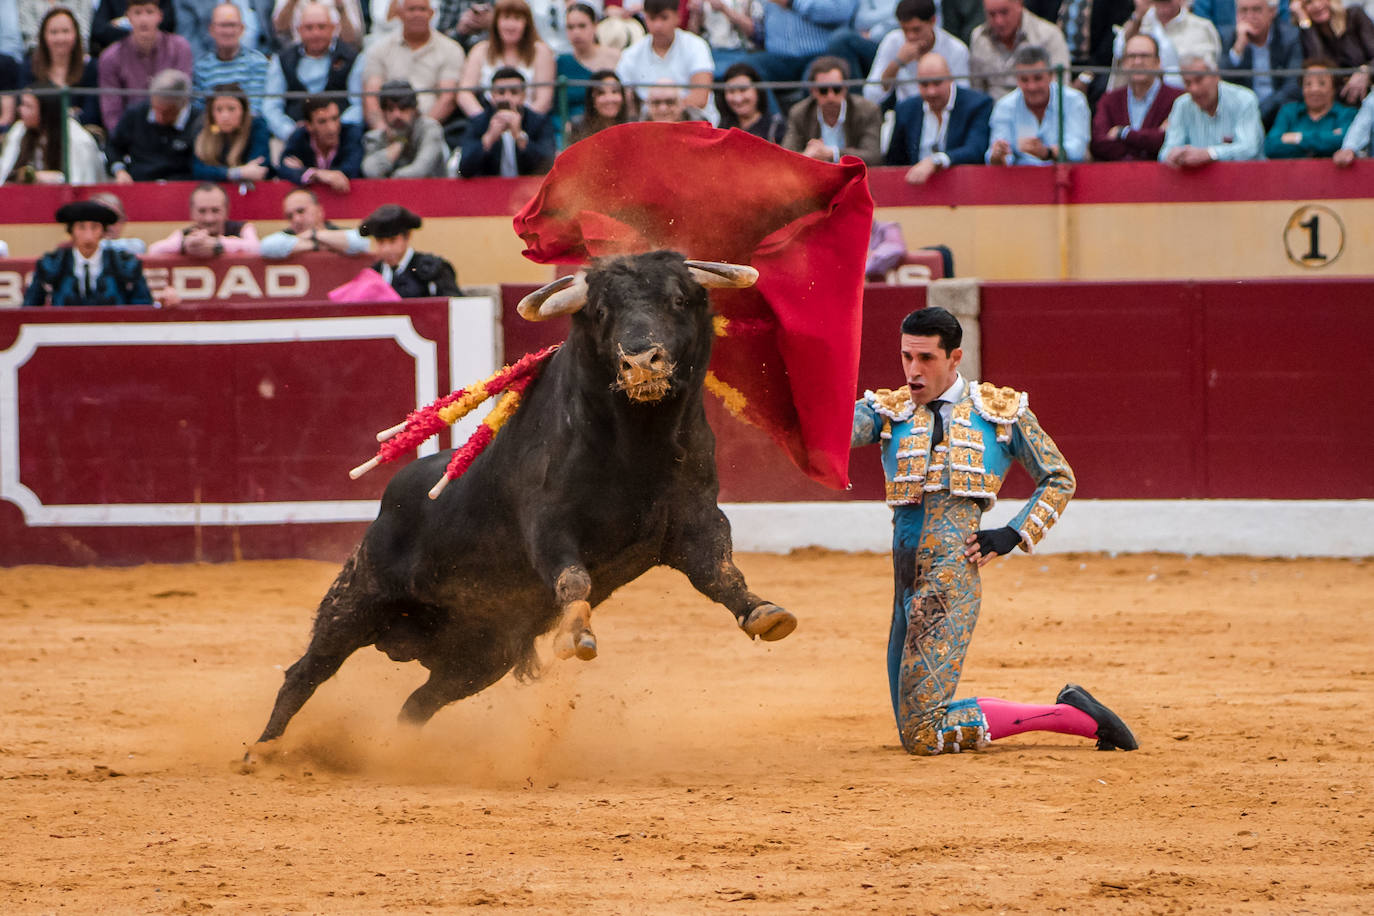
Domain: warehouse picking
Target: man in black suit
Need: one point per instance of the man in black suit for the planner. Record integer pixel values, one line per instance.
(958, 118)
(325, 151)
(1257, 42)
(154, 139)
(87, 273)
(411, 273)
(510, 139)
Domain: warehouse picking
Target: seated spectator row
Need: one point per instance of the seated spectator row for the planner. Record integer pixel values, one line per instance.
(279, 51)
(101, 266)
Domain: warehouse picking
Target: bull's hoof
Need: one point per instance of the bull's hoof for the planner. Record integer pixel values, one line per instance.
(260, 753)
(769, 623)
(564, 646)
(586, 646)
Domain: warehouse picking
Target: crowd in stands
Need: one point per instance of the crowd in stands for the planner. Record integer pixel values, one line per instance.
(326, 91)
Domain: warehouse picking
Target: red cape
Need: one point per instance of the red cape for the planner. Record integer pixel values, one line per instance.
(788, 360)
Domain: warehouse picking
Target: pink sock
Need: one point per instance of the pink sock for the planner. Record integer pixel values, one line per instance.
(1006, 718)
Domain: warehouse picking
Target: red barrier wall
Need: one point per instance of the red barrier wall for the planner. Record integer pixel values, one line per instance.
(1088, 183)
(1198, 390)
(133, 435)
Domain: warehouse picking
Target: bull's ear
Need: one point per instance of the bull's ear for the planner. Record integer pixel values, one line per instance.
(561, 297)
(716, 274)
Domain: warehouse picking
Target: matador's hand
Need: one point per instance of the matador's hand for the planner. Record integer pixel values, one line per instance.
(990, 542)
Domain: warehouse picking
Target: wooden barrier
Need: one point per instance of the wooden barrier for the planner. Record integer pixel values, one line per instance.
(135, 434)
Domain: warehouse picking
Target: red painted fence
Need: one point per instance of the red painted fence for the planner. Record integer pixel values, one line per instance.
(132, 435)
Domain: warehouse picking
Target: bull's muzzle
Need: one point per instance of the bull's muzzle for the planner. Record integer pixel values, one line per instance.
(645, 376)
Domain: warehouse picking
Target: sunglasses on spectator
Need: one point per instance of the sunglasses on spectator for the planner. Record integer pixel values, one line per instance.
(662, 103)
(830, 89)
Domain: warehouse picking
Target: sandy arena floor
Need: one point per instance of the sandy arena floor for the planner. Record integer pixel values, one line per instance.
(686, 769)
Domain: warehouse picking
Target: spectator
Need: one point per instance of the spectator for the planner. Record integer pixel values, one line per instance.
(11, 41)
(231, 61)
(1359, 139)
(1215, 121)
(668, 104)
(308, 230)
(420, 56)
(325, 151)
(727, 26)
(233, 144)
(58, 59)
(87, 273)
(111, 23)
(894, 66)
(795, 33)
(408, 145)
(114, 233)
(33, 150)
(351, 26)
(511, 139)
(961, 17)
(211, 233)
(411, 273)
(31, 13)
(1315, 127)
(944, 126)
(1177, 32)
(514, 44)
(831, 123)
(742, 105)
(1089, 28)
(856, 45)
(587, 56)
(194, 18)
(318, 63)
(465, 21)
(608, 104)
(1259, 43)
(1025, 125)
(1129, 121)
(131, 63)
(1340, 34)
(154, 140)
(1009, 28)
(9, 81)
(669, 54)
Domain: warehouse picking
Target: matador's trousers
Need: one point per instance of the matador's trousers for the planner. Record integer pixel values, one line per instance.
(936, 597)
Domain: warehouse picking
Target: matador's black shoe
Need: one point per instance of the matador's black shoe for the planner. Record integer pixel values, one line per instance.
(1112, 733)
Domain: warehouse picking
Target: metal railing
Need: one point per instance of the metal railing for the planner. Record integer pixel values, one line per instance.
(562, 86)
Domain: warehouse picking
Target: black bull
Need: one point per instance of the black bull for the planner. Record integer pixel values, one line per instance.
(606, 470)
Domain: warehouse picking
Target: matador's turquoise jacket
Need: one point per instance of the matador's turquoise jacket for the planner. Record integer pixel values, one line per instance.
(990, 427)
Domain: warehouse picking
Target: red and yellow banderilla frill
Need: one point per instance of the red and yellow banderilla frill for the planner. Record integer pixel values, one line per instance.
(423, 422)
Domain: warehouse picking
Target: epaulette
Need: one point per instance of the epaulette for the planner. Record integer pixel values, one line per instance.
(1000, 406)
(895, 404)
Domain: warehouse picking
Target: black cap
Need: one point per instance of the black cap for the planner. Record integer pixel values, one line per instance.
(389, 220)
(397, 93)
(86, 211)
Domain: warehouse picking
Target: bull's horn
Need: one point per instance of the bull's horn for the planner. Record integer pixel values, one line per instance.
(716, 274)
(561, 297)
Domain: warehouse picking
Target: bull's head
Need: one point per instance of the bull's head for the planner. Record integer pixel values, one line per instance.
(649, 315)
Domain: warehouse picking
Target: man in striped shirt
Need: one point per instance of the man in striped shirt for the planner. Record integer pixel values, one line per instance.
(797, 31)
(1214, 122)
(230, 61)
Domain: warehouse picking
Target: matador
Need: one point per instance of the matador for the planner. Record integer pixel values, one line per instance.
(947, 444)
